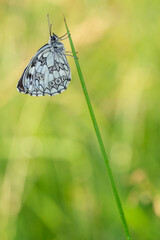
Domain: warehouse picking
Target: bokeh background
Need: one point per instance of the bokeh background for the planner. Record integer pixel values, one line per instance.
(53, 180)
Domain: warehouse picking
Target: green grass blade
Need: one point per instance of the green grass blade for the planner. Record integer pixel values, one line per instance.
(99, 138)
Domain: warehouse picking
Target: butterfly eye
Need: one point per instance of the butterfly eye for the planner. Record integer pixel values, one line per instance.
(54, 37)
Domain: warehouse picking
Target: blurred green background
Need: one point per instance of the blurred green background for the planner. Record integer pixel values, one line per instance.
(53, 180)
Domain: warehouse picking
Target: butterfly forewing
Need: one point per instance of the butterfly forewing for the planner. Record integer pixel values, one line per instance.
(48, 72)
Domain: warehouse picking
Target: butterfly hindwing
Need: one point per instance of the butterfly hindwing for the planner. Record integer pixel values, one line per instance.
(61, 72)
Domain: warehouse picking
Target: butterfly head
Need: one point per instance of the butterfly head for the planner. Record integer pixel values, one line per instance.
(53, 38)
(54, 41)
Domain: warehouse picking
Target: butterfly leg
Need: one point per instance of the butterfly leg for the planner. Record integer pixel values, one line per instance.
(71, 56)
(64, 38)
(63, 35)
(69, 52)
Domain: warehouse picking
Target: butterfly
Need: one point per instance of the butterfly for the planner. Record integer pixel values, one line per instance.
(48, 72)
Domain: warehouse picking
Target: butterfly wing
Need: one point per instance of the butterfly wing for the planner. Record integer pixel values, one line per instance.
(60, 72)
(48, 73)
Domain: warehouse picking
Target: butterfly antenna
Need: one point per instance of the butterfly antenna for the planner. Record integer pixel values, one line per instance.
(49, 25)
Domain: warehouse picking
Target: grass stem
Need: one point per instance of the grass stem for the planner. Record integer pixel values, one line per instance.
(99, 138)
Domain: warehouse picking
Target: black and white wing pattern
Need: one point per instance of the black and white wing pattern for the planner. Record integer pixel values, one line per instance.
(48, 72)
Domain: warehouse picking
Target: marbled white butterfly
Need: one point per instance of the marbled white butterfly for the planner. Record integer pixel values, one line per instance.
(48, 72)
